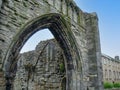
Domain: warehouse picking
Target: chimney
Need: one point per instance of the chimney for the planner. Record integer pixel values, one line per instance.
(117, 58)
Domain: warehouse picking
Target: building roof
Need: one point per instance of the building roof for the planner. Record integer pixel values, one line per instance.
(110, 58)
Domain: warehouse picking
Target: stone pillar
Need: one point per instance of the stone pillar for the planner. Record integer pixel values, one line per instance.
(94, 52)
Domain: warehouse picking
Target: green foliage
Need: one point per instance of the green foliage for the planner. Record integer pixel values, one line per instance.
(108, 85)
(116, 85)
(62, 68)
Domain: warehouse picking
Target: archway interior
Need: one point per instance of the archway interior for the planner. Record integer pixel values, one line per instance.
(41, 64)
(61, 31)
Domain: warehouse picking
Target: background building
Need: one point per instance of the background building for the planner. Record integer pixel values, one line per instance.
(111, 68)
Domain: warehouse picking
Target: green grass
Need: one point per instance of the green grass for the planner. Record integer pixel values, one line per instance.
(108, 85)
(116, 85)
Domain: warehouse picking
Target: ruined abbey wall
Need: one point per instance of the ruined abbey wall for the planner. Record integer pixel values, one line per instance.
(75, 31)
(49, 73)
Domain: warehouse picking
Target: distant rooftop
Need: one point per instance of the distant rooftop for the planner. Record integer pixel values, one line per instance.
(110, 58)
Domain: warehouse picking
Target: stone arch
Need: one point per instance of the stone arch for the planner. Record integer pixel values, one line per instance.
(79, 32)
(61, 31)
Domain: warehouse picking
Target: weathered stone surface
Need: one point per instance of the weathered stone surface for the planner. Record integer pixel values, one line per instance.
(75, 31)
(49, 73)
(0, 4)
(2, 81)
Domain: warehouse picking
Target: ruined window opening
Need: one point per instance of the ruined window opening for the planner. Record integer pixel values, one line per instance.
(31, 68)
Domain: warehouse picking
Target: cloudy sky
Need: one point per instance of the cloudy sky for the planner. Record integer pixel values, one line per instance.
(108, 12)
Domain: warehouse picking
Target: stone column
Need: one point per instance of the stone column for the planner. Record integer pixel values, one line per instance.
(94, 52)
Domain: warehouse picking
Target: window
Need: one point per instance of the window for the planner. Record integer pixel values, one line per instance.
(110, 74)
(114, 75)
(104, 60)
(105, 73)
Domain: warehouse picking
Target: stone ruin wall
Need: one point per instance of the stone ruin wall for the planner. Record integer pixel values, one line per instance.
(50, 69)
(2, 81)
(82, 36)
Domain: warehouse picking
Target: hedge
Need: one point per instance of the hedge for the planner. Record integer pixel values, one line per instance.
(108, 85)
(111, 85)
(116, 85)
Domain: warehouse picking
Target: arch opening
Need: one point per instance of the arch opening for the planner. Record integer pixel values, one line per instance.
(56, 24)
(42, 67)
